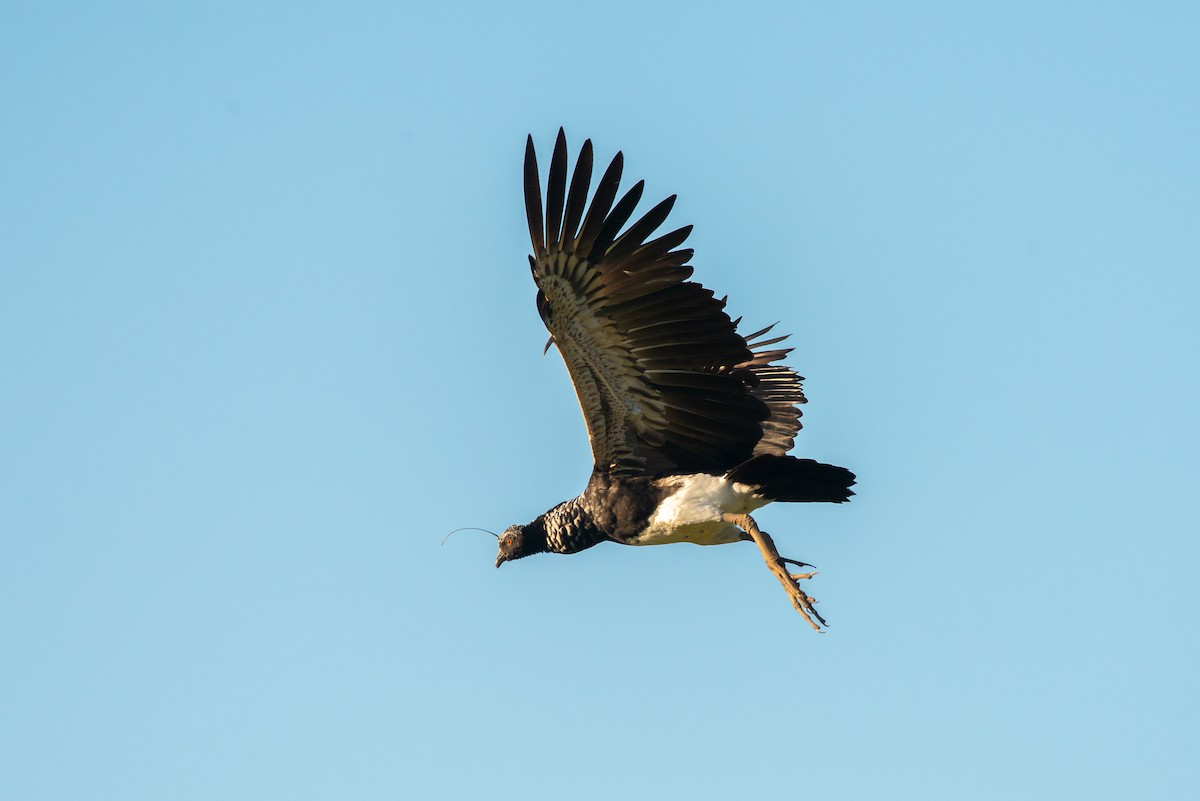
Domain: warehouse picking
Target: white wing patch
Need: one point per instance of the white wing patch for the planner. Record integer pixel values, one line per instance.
(695, 511)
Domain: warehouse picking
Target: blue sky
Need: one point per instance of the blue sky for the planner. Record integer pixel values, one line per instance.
(267, 334)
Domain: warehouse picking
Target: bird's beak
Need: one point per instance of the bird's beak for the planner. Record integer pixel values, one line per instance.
(500, 560)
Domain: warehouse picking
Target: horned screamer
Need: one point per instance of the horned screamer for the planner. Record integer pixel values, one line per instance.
(690, 421)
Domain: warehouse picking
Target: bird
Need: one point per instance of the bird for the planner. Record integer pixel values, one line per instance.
(690, 421)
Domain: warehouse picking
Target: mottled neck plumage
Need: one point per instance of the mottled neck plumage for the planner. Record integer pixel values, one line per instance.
(569, 527)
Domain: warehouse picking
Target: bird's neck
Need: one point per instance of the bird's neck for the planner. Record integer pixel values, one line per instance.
(569, 528)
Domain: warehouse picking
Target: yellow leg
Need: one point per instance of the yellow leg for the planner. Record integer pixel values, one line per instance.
(778, 566)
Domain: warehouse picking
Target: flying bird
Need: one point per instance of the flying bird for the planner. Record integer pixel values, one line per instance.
(689, 420)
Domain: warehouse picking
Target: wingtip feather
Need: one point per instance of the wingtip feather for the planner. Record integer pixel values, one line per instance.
(533, 197)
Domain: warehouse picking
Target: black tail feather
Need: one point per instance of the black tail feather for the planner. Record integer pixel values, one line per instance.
(786, 478)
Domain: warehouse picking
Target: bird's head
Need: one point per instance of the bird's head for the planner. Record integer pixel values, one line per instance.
(514, 544)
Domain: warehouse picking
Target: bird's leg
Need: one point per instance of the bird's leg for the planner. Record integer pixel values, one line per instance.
(778, 565)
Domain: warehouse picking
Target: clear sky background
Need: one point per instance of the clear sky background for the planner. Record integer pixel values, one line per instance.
(267, 333)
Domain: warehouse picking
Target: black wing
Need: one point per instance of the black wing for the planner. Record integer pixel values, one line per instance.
(665, 382)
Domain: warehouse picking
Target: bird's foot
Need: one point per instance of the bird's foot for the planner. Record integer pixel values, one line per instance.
(778, 565)
(802, 601)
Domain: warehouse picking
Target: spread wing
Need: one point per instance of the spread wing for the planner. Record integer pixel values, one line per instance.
(665, 382)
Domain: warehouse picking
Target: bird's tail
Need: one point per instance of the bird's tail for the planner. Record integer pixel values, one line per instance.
(786, 478)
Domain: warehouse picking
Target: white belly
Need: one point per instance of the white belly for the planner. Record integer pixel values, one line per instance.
(695, 511)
